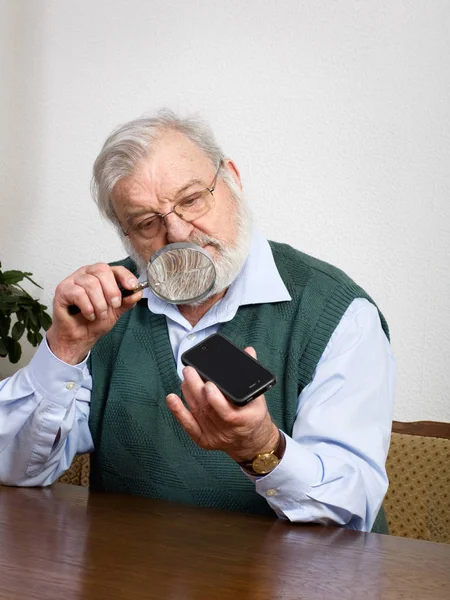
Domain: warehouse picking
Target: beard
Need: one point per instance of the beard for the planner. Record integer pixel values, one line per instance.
(228, 257)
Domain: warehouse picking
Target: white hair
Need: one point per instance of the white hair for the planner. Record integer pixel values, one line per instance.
(130, 144)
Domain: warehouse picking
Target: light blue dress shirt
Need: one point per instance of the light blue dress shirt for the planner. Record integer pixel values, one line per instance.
(333, 470)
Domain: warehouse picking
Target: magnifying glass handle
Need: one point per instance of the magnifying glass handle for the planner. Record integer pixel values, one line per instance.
(74, 310)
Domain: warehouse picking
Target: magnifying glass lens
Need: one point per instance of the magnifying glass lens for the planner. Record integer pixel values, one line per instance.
(181, 273)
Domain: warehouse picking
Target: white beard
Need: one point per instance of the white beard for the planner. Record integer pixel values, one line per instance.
(228, 258)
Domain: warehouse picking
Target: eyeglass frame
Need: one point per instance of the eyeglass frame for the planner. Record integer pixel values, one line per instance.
(162, 217)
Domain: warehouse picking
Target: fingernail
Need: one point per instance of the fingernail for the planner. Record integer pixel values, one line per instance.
(116, 302)
(133, 282)
(91, 317)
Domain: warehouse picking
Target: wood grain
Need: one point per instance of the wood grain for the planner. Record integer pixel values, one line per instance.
(424, 428)
(65, 543)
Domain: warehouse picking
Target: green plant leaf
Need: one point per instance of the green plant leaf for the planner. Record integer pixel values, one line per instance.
(36, 308)
(33, 320)
(21, 315)
(5, 324)
(27, 275)
(8, 303)
(31, 315)
(46, 321)
(17, 330)
(31, 337)
(26, 301)
(13, 277)
(14, 350)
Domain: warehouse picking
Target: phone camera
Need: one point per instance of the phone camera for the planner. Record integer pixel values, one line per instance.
(203, 347)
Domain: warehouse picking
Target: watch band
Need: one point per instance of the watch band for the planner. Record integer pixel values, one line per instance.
(253, 466)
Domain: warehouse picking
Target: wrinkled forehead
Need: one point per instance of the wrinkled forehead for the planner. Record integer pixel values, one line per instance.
(173, 163)
(173, 152)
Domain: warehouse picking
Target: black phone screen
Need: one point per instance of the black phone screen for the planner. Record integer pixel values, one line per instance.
(236, 373)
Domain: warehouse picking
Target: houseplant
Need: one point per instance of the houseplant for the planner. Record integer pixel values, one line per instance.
(19, 312)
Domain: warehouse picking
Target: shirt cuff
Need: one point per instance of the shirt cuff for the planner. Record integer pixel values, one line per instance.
(53, 378)
(290, 483)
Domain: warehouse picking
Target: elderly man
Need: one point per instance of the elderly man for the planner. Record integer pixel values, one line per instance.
(110, 380)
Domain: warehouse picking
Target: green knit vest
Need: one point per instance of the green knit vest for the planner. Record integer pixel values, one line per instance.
(139, 446)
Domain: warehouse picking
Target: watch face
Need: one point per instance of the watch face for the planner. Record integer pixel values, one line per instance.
(265, 463)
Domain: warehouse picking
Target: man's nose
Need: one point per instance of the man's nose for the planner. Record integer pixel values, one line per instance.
(177, 229)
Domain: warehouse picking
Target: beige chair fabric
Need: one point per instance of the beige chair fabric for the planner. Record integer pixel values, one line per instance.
(418, 499)
(78, 473)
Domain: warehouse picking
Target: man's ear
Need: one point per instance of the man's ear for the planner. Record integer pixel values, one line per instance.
(232, 168)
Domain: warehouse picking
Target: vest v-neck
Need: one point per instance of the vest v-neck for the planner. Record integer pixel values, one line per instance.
(159, 334)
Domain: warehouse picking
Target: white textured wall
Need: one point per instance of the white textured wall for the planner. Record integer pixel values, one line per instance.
(337, 113)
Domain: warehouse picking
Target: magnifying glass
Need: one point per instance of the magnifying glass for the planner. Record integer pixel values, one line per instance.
(179, 273)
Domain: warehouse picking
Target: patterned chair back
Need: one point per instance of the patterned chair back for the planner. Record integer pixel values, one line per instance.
(78, 472)
(417, 503)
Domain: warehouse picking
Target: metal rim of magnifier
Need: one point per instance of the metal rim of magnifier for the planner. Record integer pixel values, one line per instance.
(181, 246)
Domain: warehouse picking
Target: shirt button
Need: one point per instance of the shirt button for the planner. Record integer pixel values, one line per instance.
(271, 492)
(191, 336)
(70, 385)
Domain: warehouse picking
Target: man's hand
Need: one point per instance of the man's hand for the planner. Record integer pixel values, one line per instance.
(94, 289)
(214, 423)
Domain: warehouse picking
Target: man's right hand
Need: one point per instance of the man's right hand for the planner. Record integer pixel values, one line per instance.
(94, 289)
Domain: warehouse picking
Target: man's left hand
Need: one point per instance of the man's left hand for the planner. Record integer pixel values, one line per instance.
(213, 423)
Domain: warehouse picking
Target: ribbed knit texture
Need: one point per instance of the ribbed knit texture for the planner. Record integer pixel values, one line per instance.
(139, 446)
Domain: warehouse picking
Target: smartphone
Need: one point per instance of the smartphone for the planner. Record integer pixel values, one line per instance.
(238, 376)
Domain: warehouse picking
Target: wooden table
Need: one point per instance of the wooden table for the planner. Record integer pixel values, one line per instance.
(65, 543)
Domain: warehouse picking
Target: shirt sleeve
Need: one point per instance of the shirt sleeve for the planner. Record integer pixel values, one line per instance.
(333, 470)
(44, 411)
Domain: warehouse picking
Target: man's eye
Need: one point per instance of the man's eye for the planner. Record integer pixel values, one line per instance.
(190, 201)
(147, 224)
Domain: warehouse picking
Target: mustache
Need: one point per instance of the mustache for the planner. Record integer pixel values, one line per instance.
(203, 240)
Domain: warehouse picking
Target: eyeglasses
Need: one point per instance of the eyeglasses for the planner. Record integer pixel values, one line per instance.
(189, 209)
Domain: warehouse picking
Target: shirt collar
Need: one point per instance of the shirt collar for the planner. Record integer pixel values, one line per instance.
(258, 282)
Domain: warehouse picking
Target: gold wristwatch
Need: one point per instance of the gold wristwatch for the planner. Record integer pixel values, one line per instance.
(265, 462)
